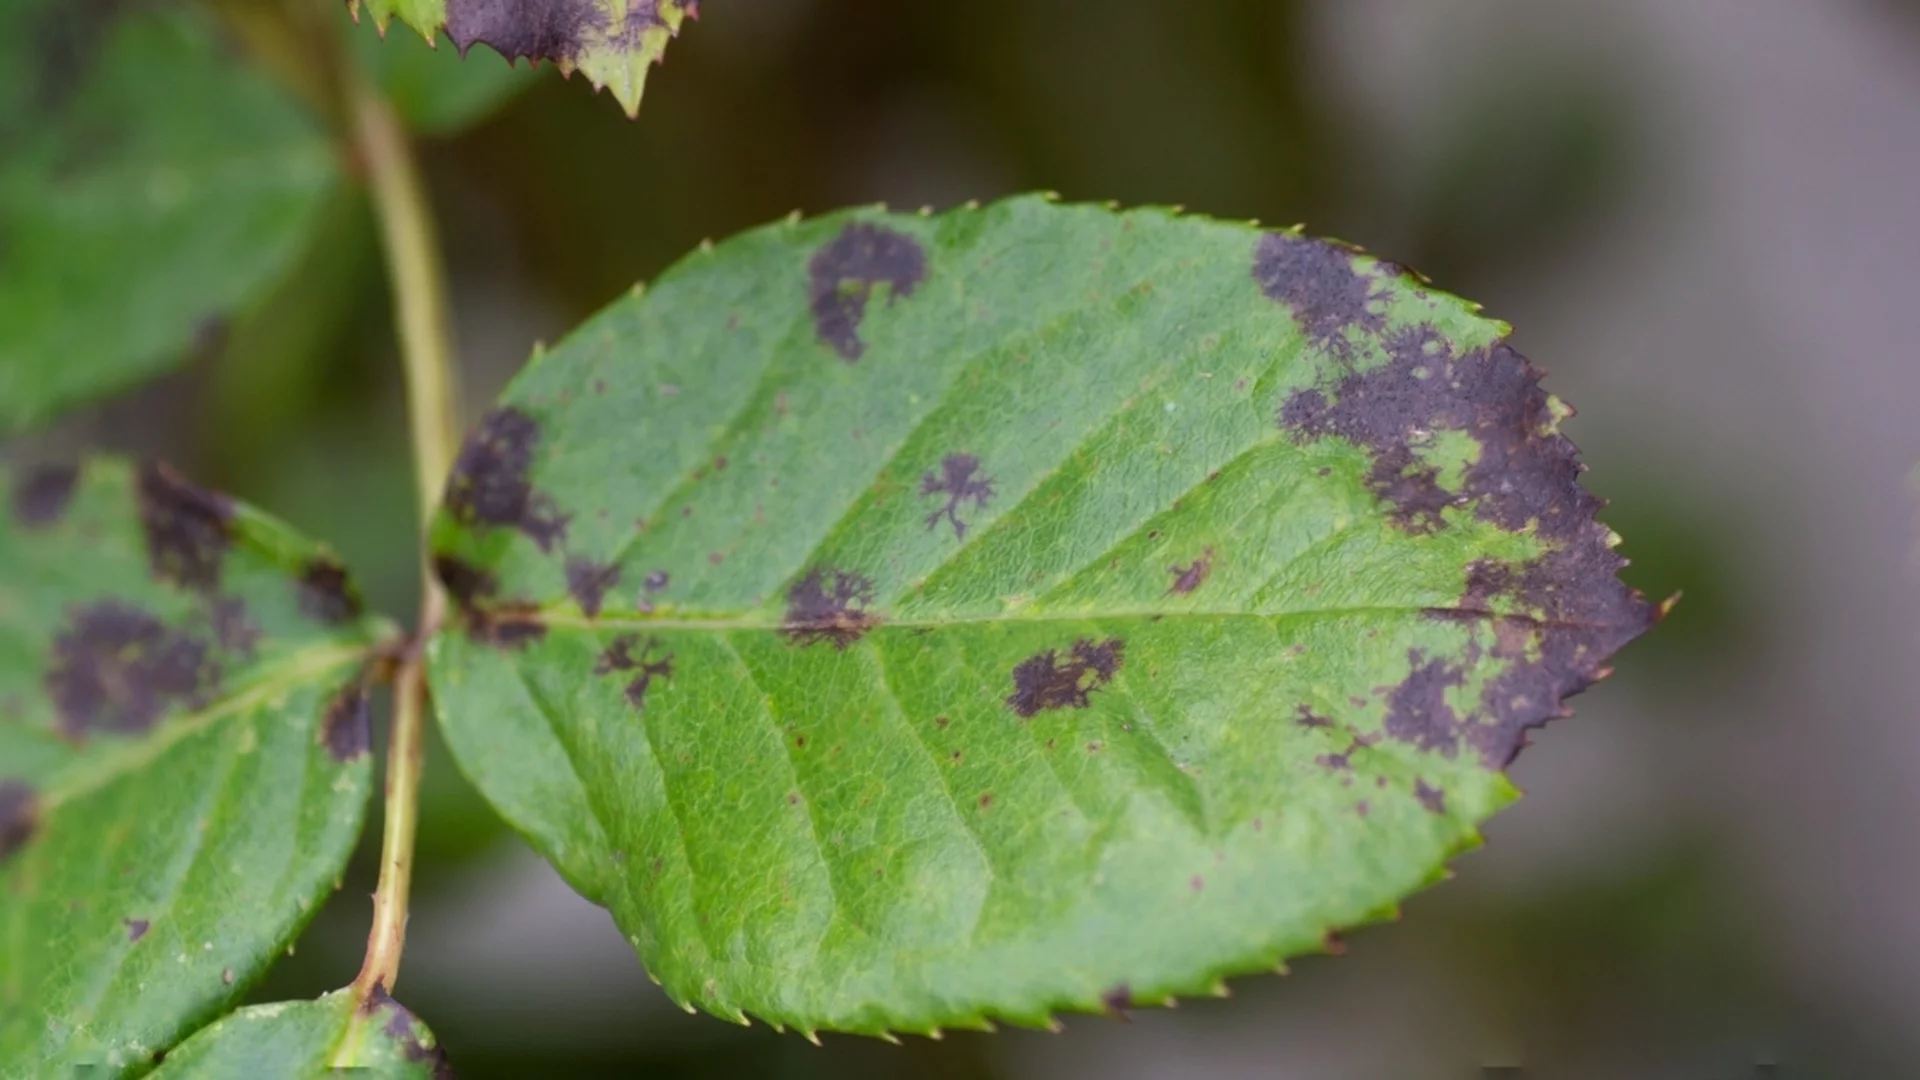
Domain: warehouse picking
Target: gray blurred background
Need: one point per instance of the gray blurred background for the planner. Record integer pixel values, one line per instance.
(1702, 216)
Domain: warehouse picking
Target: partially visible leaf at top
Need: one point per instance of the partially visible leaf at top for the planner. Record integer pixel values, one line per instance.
(183, 757)
(432, 89)
(900, 621)
(611, 42)
(150, 184)
(338, 1035)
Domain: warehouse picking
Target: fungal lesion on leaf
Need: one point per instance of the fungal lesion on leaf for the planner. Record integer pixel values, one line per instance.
(41, 495)
(1191, 576)
(346, 729)
(589, 582)
(118, 669)
(831, 605)
(642, 659)
(19, 815)
(490, 484)
(1049, 680)
(842, 275)
(188, 529)
(506, 624)
(961, 481)
(1323, 286)
(325, 592)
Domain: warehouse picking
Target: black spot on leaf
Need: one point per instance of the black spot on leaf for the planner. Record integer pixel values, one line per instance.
(1306, 718)
(589, 582)
(406, 1031)
(188, 529)
(1417, 709)
(233, 627)
(829, 605)
(40, 497)
(19, 816)
(1434, 799)
(1117, 1001)
(843, 274)
(509, 624)
(620, 656)
(347, 728)
(1050, 681)
(118, 669)
(136, 928)
(326, 594)
(552, 30)
(1557, 618)
(489, 485)
(1192, 576)
(1317, 279)
(959, 480)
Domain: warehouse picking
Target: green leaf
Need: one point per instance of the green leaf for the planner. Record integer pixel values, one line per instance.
(151, 184)
(183, 756)
(612, 42)
(300, 1039)
(899, 620)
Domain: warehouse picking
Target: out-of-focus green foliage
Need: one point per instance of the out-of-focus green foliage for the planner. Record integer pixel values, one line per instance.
(149, 186)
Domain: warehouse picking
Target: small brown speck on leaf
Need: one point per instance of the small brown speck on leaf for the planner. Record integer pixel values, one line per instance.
(40, 497)
(960, 481)
(136, 928)
(1433, 798)
(843, 274)
(1307, 718)
(589, 582)
(1190, 577)
(188, 529)
(620, 656)
(829, 605)
(346, 730)
(1047, 680)
(490, 485)
(115, 668)
(325, 592)
(1117, 1001)
(19, 816)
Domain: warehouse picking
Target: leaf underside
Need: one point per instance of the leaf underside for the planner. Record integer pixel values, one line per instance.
(183, 757)
(150, 185)
(900, 621)
(298, 1040)
(613, 43)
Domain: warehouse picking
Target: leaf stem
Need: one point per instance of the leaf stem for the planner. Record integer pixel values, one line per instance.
(419, 294)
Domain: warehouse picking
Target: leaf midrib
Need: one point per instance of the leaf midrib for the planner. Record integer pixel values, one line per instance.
(563, 618)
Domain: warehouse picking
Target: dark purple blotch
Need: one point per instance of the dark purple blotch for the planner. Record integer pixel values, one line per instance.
(589, 582)
(1048, 680)
(506, 624)
(829, 605)
(960, 481)
(346, 729)
(490, 484)
(1318, 281)
(40, 497)
(188, 529)
(116, 668)
(19, 816)
(645, 666)
(842, 275)
(325, 593)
